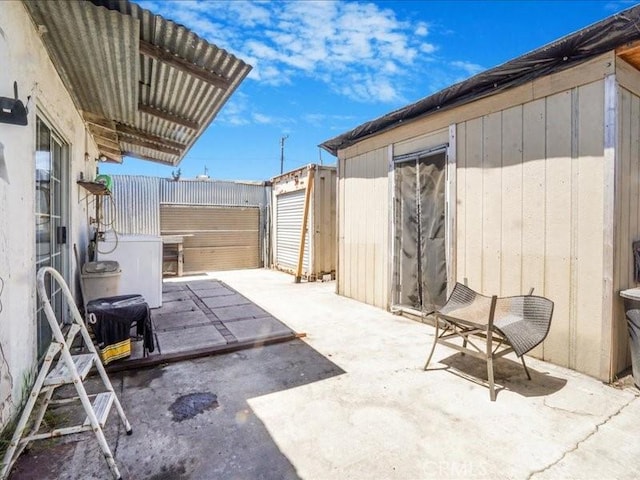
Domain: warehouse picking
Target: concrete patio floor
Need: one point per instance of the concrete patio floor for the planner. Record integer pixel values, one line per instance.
(202, 316)
(351, 401)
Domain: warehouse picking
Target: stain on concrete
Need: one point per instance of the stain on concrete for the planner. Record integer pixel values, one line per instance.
(172, 472)
(192, 404)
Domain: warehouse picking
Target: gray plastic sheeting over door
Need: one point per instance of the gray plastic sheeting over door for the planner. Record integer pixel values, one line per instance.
(420, 263)
(289, 212)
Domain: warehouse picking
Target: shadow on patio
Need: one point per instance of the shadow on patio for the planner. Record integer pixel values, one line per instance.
(509, 375)
(190, 419)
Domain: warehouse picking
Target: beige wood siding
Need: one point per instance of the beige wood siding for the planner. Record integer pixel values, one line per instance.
(588, 72)
(363, 228)
(627, 219)
(530, 213)
(221, 238)
(533, 207)
(324, 221)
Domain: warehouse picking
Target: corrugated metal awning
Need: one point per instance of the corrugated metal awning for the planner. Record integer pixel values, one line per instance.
(146, 86)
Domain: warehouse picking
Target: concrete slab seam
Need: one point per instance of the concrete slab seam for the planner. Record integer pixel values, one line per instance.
(222, 329)
(580, 442)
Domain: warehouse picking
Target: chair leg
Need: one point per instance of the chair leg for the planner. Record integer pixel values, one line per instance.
(435, 341)
(464, 345)
(525, 367)
(489, 352)
(492, 388)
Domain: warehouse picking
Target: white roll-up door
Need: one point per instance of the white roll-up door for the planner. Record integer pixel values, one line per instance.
(218, 238)
(289, 212)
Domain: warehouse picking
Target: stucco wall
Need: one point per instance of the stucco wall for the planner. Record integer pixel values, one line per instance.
(25, 60)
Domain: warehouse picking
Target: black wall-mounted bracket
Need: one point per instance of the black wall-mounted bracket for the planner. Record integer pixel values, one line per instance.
(12, 110)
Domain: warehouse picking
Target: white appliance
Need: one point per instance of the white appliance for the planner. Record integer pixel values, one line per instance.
(140, 258)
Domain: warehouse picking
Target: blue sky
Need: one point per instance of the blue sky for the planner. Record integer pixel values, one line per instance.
(321, 68)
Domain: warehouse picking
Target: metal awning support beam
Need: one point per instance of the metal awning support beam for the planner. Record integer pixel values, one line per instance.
(109, 152)
(98, 131)
(151, 145)
(171, 117)
(98, 120)
(112, 154)
(180, 63)
(103, 142)
(136, 133)
(148, 157)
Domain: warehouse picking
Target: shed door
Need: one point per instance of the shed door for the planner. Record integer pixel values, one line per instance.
(220, 238)
(289, 211)
(419, 215)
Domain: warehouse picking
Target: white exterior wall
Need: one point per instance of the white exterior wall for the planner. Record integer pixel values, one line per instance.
(25, 60)
(529, 208)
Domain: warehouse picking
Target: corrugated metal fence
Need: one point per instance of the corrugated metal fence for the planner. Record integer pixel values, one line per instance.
(135, 205)
(134, 208)
(214, 192)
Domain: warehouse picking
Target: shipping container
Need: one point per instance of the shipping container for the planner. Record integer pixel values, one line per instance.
(310, 189)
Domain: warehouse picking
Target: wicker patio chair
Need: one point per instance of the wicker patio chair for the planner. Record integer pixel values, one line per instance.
(491, 327)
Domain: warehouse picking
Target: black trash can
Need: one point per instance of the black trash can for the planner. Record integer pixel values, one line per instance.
(112, 321)
(632, 311)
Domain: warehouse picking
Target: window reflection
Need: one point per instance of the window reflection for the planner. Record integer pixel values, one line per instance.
(43, 190)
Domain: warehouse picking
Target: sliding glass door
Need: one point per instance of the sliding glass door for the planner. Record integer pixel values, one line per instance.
(51, 218)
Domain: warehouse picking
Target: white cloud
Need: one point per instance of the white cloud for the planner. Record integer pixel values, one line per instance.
(422, 29)
(427, 48)
(467, 67)
(262, 119)
(239, 111)
(234, 111)
(358, 49)
(322, 119)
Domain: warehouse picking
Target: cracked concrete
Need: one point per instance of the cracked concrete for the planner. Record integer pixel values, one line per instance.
(541, 473)
(351, 401)
(603, 453)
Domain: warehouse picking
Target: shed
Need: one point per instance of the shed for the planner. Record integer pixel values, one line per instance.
(310, 189)
(525, 175)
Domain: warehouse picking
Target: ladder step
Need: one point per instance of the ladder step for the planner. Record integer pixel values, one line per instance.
(101, 405)
(61, 375)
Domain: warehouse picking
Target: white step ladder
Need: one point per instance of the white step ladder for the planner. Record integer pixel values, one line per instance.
(63, 370)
